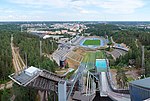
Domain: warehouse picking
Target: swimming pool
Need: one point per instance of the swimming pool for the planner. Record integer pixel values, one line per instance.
(101, 65)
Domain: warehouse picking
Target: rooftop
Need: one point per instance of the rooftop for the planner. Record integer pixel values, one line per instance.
(142, 83)
(25, 76)
(32, 69)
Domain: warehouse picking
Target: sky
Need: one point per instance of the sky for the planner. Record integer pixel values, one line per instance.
(74, 10)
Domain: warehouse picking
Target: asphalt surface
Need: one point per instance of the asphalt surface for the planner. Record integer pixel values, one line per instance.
(98, 98)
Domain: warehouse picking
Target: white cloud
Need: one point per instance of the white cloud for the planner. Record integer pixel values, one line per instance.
(70, 9)
(112, 6)
(84, 11)
(54, 3)
(6, 10)
(108, 6)
(121, 6)
(20, 18)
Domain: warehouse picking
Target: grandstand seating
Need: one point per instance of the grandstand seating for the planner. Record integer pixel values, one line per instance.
(116, 53)
(61, 53)
(77, 40)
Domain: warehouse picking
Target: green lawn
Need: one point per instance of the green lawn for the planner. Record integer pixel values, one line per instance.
(100, 55)
(90, 58)
(92, 42)
(130, 79)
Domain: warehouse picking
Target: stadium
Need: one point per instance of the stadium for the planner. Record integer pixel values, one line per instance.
(69, 50)
(89, 42)
(93, 42)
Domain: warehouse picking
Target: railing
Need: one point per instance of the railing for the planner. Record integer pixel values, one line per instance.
(123, 91)
(79, 72)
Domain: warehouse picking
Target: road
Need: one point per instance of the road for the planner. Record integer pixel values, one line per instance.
(136, 43)
(112, 40)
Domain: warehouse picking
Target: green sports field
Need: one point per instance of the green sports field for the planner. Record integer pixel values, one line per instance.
(90, 58)
(92, 42)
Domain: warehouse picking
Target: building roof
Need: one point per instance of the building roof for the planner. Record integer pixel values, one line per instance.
(142, 83)
(31, 69)
(52, 36)
(23, 78)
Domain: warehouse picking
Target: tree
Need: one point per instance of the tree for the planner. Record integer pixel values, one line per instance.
(138, 62)
(24, 94)
(147, 69)
(67, 65)
(5, 95)
(121, 78)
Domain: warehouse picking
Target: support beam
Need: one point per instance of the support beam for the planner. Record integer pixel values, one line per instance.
(62, 91)
(87, 83)
(40, 48)
(143, 57)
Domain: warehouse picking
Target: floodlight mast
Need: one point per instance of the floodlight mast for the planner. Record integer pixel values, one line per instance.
(143, 60)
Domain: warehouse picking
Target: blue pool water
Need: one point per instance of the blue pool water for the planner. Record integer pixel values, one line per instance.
(101, 65)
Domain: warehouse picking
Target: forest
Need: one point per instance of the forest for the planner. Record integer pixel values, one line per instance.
(135, 40)
(28, 45)
(101, 29)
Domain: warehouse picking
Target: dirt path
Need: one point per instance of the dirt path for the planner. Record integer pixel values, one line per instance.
(7, 85)
(18, 65)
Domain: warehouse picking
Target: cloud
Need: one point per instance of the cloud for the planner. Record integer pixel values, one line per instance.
(20, 18)
(112, 6)
(54, 3)
(6, 10)
(84, 11)
(108, 6)
(70, 9)
(121, 6)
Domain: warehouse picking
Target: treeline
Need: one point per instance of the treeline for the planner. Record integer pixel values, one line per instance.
(30, 45)
(6, 67)
(135, 40)
(129, 37)
(101, 29)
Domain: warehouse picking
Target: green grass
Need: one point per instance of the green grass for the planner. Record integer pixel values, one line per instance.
(100, 55)
(92, 42)
(90, 58)
(130, 79)
(69, 74)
